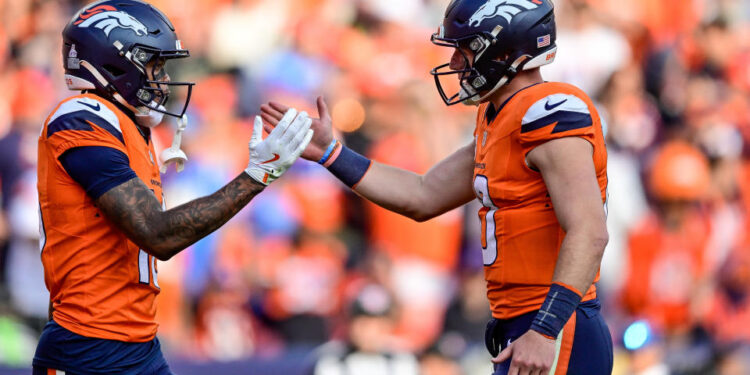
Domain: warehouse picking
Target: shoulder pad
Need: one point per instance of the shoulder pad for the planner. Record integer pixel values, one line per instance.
(567, 111)
(80, 113)
(87, 106)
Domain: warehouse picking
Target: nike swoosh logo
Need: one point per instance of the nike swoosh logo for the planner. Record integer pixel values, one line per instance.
(274, 158)
(550, 107)
(94, 107)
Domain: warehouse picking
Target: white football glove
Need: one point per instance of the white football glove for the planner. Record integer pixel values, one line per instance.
(271, 157)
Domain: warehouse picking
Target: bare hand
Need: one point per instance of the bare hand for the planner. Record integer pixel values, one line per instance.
(532, 354)
(272, 113)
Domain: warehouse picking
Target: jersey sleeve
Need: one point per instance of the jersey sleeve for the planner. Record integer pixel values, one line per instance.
(97, 168)
(82, 122)
(556, 116)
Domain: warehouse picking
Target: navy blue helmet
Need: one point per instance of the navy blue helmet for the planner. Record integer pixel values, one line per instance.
(108, 46)
(504, 37)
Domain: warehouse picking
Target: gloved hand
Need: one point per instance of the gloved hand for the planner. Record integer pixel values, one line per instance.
(271, 157)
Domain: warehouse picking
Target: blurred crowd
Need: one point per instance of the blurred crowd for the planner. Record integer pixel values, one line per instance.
(310, 265)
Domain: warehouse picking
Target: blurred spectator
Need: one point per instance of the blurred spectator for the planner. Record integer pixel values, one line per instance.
(304, 289)
(581, 38)
(728, 313)
(735, 361)
(646, 350)
(466, 317)
(33, 96)
(665, 263)
(369, 348)
(462, 337)
(433, 362)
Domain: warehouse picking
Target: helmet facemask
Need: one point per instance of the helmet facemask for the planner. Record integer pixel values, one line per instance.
(483, 74)
(154, 91)
(504, 37)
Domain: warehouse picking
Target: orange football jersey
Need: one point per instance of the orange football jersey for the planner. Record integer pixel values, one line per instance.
(521, 236)
(101, 284)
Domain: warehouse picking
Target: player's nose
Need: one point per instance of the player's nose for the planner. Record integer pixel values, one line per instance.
(166, 79)
(458, 61)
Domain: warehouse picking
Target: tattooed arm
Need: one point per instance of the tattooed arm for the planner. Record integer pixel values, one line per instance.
(134, 209)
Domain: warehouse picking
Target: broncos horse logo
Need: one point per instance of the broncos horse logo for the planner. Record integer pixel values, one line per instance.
(505, 8)
(107, 18)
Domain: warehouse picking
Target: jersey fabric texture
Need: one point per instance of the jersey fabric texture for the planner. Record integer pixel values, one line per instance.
(521, 236)
(101, 284)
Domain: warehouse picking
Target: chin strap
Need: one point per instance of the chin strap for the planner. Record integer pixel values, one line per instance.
(174, 154)
(139, 112)
(103, 81)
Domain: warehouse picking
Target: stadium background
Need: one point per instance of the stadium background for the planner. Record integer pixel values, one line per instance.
(308, 262)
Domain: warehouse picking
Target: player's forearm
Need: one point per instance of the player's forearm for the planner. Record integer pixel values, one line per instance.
(396, 190)
(182, 226)
(445, 186)
(577, 263)
(137, 212)
(580, 256)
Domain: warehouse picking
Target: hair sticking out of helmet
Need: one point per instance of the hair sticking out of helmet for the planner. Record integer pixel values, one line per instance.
(118, 49)
(503, 37)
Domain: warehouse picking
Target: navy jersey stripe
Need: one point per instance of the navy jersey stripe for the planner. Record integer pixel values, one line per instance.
(566, 120)
(79, 120)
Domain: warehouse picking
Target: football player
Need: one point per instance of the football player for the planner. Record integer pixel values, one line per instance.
(103, 221)
(538, 166)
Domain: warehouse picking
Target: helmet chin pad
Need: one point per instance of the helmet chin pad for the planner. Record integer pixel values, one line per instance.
(148, 117)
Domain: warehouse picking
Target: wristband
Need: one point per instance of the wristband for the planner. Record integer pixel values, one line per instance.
(334, 155)
(558, 307)
(349, 166)
(328, 152)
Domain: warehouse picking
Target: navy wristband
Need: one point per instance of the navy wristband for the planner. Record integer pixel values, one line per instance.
(557, 308)
(349, 166)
